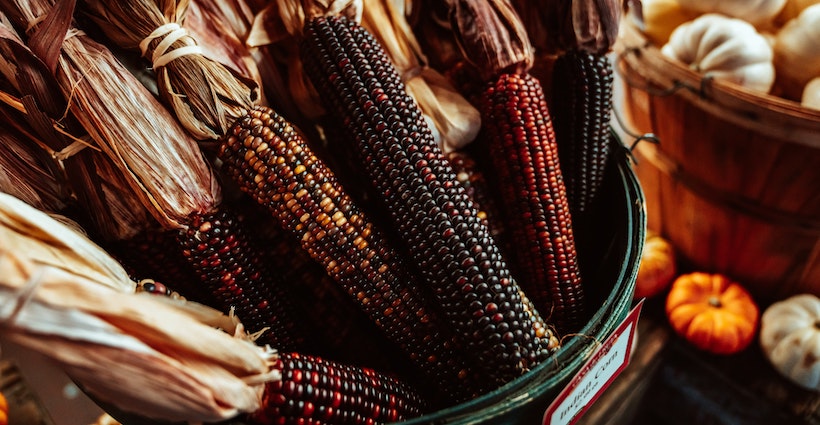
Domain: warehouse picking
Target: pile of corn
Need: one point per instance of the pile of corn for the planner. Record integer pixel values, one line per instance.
(441, 274)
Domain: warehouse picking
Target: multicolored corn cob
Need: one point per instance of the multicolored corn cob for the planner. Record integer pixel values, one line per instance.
(525, 156)
(274, 165)
(581, 112)
(438, 222)
(314, 391)
(339, 329)
(221, 255)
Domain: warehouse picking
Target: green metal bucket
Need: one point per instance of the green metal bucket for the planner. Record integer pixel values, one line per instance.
(613, 246)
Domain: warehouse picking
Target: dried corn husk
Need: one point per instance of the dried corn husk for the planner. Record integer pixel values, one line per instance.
(491, 36)
(286, 18)
(33, 233)
(278, 26)
(239, 16)
(557, 26)
(65, 176)
(64, 297)
(217, 28)
(161, 163)
(456, 120)
(25, 173)
(205, 95)
(431, 24)
(38, 116)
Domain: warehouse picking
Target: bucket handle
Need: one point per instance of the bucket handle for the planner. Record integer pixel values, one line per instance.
(636, 136)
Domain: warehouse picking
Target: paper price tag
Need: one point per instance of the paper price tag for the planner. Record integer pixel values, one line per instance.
(602, 367)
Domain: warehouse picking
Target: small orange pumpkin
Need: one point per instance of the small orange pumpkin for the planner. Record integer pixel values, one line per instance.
(658, 267)
(712, 312)
(4, 411)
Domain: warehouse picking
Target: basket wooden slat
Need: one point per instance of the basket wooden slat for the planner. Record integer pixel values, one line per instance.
(734, 180)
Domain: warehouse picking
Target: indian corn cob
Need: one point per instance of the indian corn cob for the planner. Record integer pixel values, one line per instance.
(525, 156)
(582, 104)
(316, 391)
(438, 222)
(273, 164)
(340, 329)
(522, 144)
(221, 254)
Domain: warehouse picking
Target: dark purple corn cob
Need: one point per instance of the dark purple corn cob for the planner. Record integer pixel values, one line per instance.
(314, 391)
(271, 162)
(438, 222)
(582, 106)
(525, 156)
(218, 249)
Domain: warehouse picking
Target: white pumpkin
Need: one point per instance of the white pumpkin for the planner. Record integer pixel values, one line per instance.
(790, 338)
(797, 52)
(756, 12)
(724, 48)
(811, 94)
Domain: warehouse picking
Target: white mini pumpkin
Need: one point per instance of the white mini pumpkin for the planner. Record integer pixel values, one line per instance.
(724, 48)
(790, 339)
(756, 12)
(811, 94)
(797, 52)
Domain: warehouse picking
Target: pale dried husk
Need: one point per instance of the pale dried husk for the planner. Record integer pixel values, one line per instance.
(205, 95)
(491, 36)
(33, 233)
(166, 359)
(456, 120)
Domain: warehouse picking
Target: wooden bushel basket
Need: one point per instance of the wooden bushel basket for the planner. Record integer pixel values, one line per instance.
(733, 180)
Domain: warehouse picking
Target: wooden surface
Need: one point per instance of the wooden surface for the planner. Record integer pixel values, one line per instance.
(670, 382)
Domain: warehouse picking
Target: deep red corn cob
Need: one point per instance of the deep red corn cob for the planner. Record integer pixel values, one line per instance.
(582, 106)
(273, 164)
(228, 265)
(525, 156)
(317, 392)
(438, 222)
